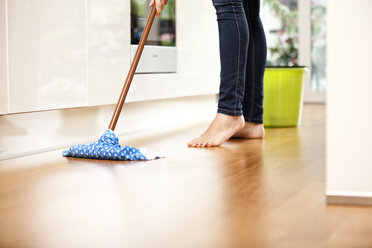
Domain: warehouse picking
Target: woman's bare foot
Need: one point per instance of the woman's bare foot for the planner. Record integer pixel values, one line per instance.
(251, 131)
(219, 131)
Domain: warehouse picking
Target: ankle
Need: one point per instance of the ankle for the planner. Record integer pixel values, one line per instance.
(251, 130)
(231, 117)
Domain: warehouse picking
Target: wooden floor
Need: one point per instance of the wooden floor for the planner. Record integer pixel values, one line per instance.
(247, 193)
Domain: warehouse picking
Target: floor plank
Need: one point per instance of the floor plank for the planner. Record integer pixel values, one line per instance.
(247, 193)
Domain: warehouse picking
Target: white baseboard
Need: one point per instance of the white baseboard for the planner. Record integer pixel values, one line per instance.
(349, 197)
(35, 132)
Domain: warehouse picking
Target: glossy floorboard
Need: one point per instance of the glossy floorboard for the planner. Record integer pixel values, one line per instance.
(247, 193)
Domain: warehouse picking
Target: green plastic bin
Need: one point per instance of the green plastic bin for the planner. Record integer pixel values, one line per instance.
(283, 96)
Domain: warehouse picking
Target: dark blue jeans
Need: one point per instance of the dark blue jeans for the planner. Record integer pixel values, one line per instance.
(243, 58)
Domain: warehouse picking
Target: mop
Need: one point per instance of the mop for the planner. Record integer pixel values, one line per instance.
(108, 147)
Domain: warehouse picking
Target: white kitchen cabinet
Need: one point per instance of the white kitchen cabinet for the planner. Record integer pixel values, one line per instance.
(108, 49)
(75, 53)
(47, 54)
(198, 62)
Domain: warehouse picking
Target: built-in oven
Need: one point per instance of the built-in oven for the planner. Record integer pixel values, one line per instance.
(160, 52)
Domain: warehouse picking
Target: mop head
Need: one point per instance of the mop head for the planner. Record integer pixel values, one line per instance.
(108, 148)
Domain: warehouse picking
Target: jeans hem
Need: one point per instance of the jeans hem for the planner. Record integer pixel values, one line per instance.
(230, 112)
(257, 121)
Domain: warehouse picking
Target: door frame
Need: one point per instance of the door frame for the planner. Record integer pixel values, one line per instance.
(304, 51)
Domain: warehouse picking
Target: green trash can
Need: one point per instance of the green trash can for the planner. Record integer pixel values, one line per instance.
(283, 96)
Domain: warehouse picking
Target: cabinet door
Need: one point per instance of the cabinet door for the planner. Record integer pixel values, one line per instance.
(47, 54)
(109, 49)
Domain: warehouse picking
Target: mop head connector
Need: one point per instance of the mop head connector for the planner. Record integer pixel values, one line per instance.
(108, 148)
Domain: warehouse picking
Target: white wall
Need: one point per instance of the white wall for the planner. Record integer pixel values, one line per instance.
(76, 53)
(3, 60)
(349, 113)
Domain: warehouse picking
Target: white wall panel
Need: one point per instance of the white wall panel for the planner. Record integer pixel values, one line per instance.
(349, 107)
(3, 60)
(47, 54)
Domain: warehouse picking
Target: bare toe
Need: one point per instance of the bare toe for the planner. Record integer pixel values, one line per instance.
(193, 142)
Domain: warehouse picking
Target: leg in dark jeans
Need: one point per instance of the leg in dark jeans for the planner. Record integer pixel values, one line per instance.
(234, 38)
(242, 42)
(253, 94)
(242, 67)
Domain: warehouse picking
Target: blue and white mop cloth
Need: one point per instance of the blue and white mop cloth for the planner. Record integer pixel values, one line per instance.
(108, 148)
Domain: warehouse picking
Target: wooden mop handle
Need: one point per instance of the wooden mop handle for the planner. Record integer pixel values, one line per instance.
(132, 69)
